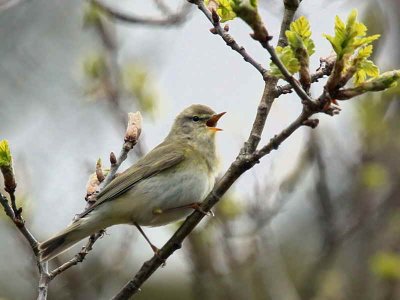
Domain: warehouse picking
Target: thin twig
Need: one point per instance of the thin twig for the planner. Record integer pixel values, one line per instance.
(169, 20)
(79, 257)
(133, 131)
(19, 223)
(320, 73)
(229, 40)
(131, 138)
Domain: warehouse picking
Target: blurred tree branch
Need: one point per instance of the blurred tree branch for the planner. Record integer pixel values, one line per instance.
(15, 214)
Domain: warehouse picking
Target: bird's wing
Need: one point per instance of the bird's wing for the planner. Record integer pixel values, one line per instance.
(158, 160)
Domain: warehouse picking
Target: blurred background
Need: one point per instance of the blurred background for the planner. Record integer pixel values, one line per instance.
(317, 219)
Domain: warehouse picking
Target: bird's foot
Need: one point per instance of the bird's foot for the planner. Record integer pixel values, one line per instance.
(196, 206)
(157, 252)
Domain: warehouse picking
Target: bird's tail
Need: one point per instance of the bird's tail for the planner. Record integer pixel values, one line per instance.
(68, 237)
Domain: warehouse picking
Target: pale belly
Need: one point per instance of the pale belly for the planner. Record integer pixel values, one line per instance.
(154, 201)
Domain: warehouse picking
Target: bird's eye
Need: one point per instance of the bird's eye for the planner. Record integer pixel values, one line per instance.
(195, 118)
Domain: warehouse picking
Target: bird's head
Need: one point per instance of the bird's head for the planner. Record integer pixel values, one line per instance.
(196, 123)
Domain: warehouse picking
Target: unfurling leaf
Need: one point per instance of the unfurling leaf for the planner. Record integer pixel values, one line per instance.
(365, 69)
(299, 35)
(382, 82)
(225, 9)
(300, 47)
(289, 60)
(134, 127)
(5, 154)
(6, 167)
(93, 183)
(350, 36)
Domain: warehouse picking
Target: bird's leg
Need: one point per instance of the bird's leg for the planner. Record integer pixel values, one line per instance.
(195, 206)
(153, 247)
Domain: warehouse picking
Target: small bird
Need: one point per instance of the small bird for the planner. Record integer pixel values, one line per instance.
(162, 187)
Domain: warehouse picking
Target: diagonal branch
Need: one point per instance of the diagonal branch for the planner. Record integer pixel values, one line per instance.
(19, 223)
(236, 169)
(133, 131)
(79, 257)
(132, 135)
(246, 159)
(229, 40)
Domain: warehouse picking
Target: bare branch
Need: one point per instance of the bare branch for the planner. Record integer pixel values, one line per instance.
(173, 19)
(324, 70)
(132, 135)
(229, 40)
(19, 223)
(133, 131)
(79, 257)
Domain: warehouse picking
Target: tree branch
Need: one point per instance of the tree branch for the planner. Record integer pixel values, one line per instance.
(79, 257)
(131, 137)
(229, 40)
(173, 19)
(246, 159)
(324, 70)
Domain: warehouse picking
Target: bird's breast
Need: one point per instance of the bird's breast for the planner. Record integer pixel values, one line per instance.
(155, 201)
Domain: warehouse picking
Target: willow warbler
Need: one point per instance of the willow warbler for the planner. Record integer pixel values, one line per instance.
(162, 187)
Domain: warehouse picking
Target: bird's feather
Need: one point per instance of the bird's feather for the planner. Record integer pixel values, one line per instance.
(161, 158)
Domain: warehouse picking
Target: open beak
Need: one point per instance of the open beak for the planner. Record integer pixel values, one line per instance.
(212, 122)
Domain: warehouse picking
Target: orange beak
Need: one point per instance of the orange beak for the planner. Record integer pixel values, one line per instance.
(212, 122)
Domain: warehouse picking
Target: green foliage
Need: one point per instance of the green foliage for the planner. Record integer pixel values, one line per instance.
(382, 82)
(350, 36)
(299, 35)
(137, 82)
(300, 47)
(386, 265)
(225, 9)
(364, 68)
(92, 15)
(374, 175)
(94, 66)
(230, 9)
(387, 79)
(289, 60)
(353, 49)
(5, 154)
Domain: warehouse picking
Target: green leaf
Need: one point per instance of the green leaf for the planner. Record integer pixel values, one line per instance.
(386, 265)
(5, 154)
(385, 80)
(365, 52)
(299, 35)
(288, 59)
(350, 36)
(382, 82)
(366, 68)
(225, 9)
(254, 3)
